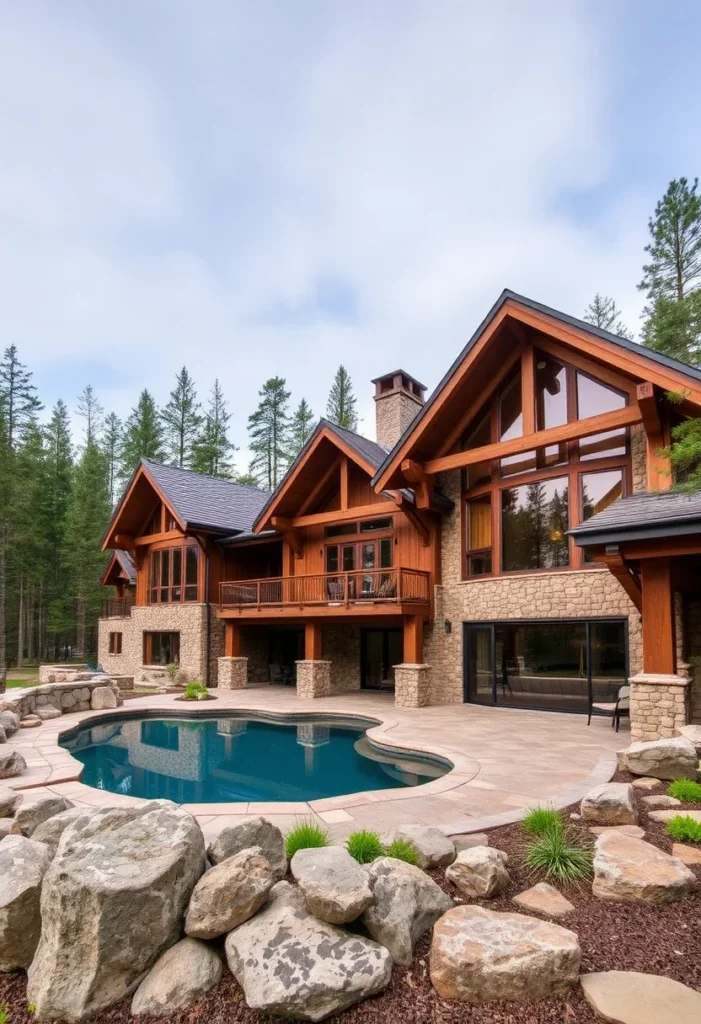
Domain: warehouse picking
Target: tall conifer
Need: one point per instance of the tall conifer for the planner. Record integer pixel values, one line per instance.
(340, 408)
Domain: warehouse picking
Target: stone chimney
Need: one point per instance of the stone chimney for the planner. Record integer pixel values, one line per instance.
(398, 399)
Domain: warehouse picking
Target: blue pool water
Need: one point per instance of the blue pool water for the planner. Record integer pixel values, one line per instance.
(210, 760)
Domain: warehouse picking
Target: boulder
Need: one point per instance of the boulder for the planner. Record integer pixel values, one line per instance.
(407, 903)
(23, 864)
(661, 801)
(103, 698)
(661, 759)
(30, 816)
(610, 804)
(630, 997)
(669, 814)
(3, 735)
(479, 872)
(634, 831)
(334, 885)
(183, 975)
(9, 721)
(228, 894)
(631, 869)
(470, 839)
(257, 832)
(50, 831)
(8, 826)
(646, 784)
(11, 763)
(46, 714)
(9, 802)
(30, 722)
(112, 902)
(544, 899)
(479, 955)
(689, 855)
(291, 964)
(434, 848)
(691, 733)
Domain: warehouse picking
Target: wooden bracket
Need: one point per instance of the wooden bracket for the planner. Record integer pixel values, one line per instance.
(659, 472)
(415, 518)
(618, 567)
(421, 482)
(124, 541)
(284, 526)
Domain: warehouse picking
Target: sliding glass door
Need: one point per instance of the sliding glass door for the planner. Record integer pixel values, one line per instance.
(551, 665)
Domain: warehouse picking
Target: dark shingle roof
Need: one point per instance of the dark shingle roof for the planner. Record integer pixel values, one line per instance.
(644, 515)
(208, 502)
(126, 562)
(369, 450)
(523, 300)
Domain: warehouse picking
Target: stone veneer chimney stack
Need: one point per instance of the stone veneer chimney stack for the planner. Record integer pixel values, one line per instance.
(398, 400)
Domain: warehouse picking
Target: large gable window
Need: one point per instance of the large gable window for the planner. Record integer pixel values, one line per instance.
(593, 398)
(534, 524)
(173, 575)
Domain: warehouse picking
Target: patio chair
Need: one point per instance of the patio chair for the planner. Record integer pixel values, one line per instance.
(620, 708)
(276, 674)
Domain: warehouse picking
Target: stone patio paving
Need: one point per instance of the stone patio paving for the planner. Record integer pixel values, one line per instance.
(504, 761)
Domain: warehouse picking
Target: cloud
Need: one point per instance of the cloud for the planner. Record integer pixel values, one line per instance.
(276, 188)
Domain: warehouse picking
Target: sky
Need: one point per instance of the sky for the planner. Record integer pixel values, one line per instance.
(273, 188)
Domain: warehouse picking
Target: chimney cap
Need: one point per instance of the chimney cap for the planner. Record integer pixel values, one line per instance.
(397, 373)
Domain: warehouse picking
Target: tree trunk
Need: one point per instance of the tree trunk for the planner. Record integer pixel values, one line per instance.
(20, 623)
(31, 628)
(80, 627)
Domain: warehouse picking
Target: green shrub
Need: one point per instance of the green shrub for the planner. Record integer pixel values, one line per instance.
(539, 820)
(553, 853)
(172, 670)
(684, 828)
(195, 691)
(402, 849)
(364, 846)
(305, 836)
(686, 790)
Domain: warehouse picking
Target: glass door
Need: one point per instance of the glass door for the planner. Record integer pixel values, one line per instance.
(380, 651)
(479, 664)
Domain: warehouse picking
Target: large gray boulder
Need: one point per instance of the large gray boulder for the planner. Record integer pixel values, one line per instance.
(407, 903)
(50, 831)
(112, 902)
(291, 964)
(8, 825)
(630, 870)
(479, 955)
(11, 763)
(610, 804)
(23, 864)
(3, 735)
(103, 698)
(257, 832)
(9, 722)
(9, 802)
(185, 972)
(229, 894)
(30, 816)
(691, 733)
(479, 872)
(334, 885)
(661, 759)
(433, 847)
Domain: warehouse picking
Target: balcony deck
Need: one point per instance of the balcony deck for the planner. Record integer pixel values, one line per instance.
(372, 592)
(117, 607)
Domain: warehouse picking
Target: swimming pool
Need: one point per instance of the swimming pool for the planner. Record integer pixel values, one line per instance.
(215, 759)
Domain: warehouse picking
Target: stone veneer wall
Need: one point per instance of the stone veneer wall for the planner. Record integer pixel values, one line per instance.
(254, 646)
(186, 619)
(576, 594)
(340, 644)
(394, 411)
(659, 707)
(638, 452)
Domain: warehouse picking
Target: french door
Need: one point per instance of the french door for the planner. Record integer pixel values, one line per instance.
(363, 557)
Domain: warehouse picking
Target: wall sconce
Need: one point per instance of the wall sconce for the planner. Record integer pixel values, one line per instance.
(448, 626)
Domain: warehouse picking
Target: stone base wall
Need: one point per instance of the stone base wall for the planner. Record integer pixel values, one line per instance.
(187, 619)
(233, 673)
(340, 644)
(72, 695)
(659, 706)
(254, 647)
(412, 686)
(638, 454)
(313, 679)
(63, 673)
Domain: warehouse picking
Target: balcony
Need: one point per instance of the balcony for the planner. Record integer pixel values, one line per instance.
(117, 607)
(368, 592)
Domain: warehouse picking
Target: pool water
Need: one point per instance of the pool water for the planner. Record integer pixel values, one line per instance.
(212, 760)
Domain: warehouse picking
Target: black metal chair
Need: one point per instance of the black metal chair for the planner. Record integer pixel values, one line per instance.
(620, 708)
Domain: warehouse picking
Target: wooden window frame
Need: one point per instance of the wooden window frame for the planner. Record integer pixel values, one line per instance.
(573, 469)
(148, 661)
(357, 541)
(115, 643)
(156, 590)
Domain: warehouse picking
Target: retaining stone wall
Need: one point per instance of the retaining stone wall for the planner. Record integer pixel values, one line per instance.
(73, 695)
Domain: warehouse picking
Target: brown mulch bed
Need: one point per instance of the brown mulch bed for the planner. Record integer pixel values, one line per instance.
(613, 936)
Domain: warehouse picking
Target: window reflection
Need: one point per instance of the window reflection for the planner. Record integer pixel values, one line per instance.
(510, 426)
(480, 473)
(535, 519)
(599, 490)
(594, 398)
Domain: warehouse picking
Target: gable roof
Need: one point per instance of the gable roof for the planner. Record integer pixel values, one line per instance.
(645, 515)
(514, 299)
(123, 563)
(126, 564)
(199, 502)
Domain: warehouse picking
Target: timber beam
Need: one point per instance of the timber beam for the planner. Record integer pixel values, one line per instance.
(659, 472)
(421, 482)
(285, 526)
(618, 567)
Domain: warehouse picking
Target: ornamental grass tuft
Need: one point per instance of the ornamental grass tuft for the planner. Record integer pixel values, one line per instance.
(684, 828)
(686, 790)
(539, 820)
(195, 691)
(364, 846)
(305, 836)
(558, 857)
(402, 849)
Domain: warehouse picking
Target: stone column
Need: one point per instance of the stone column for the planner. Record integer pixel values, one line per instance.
(412, 686)
(313, 679)
(659, 705)
(232, 673)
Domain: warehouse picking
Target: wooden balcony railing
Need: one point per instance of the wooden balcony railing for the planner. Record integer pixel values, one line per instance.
(117, 607)
(339, 589)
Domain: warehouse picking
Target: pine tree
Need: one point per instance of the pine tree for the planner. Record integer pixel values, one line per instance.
(604, 313)
(249, 479)
(93, 414)
(143, 436)
(57, 488)
(340, 408)
(4, 538)
(212, 451)
(27, 553)
(112, 441)
(301, 428)
(672, 278)
(181, 420)
(268, 429)
(18, 395)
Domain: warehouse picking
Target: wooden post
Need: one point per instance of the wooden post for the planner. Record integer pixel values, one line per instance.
(659, 475)
(232, 639)
(528, 390)
(659, 648)
(312, 641)
(344, 483)
(413, 640)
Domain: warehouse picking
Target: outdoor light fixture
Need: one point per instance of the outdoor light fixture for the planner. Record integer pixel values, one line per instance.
(448, 626)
